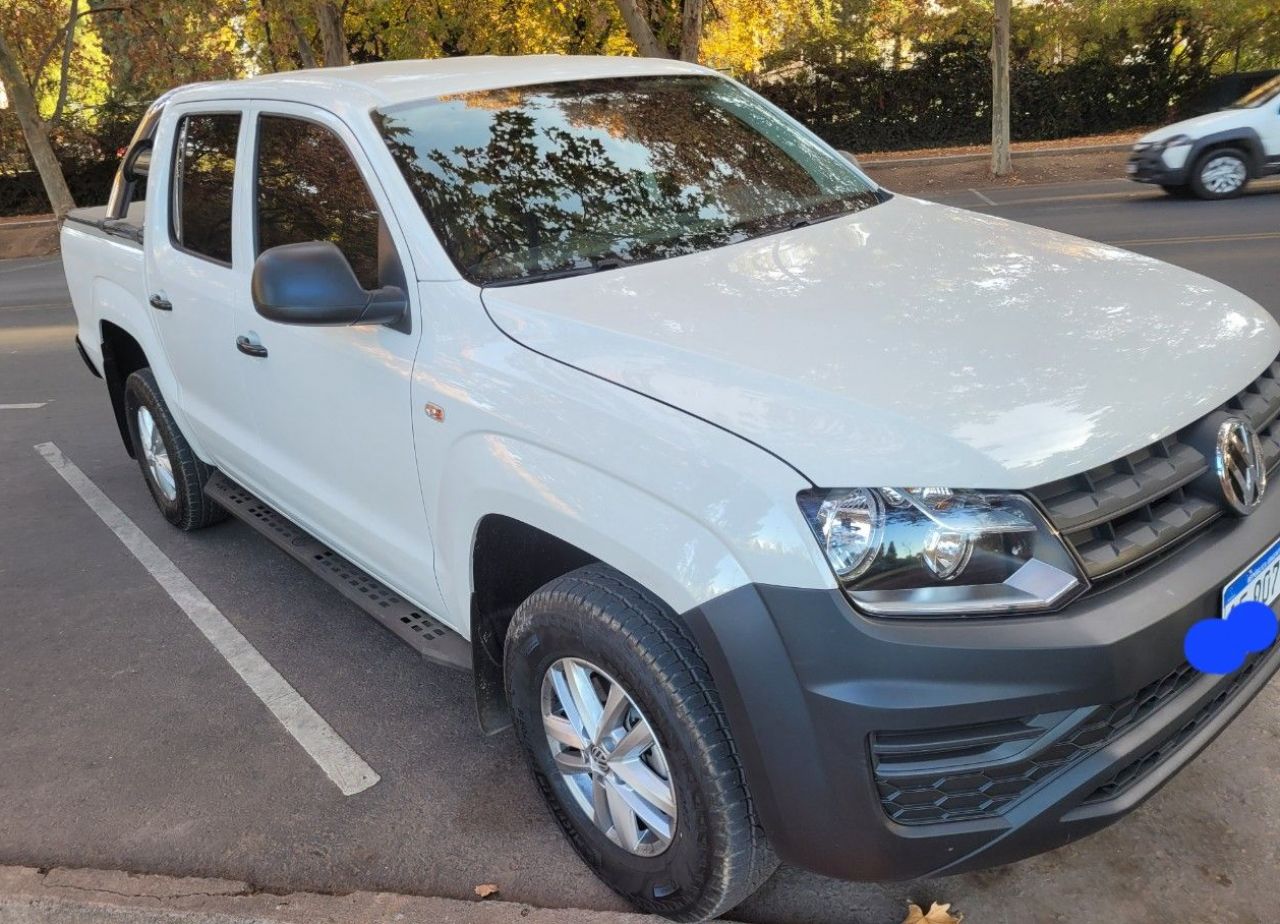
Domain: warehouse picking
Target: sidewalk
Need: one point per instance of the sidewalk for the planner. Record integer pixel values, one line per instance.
(28, 236)
(78, 896)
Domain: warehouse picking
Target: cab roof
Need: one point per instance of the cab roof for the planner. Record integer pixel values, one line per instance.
(387, 83)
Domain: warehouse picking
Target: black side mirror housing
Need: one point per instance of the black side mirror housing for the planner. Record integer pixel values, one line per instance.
(312, 283)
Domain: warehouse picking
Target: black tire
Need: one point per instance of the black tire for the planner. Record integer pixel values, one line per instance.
(189, 508)
(1197, 180)
(718, 855)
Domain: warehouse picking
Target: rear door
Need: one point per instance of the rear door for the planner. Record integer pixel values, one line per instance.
(197, 267)
(333, 404)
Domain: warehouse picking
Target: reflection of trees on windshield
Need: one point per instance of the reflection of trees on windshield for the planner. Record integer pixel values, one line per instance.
(561, 176)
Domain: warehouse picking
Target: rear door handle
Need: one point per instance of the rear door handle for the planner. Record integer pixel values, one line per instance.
(249, 348)
(160, 303)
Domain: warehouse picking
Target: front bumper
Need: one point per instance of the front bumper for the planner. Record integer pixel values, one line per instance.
(1148, 166)
(808, 684)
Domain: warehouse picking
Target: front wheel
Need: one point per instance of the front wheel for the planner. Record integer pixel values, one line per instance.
(628, 743)
(169, 465)
(1220, 174)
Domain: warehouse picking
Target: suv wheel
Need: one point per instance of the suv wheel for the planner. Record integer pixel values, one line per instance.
(1220, 174)
(628, 743)
(172, 471)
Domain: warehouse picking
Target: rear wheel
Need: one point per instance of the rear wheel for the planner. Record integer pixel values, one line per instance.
(629, 745)
(170, 467)
(1220, 174)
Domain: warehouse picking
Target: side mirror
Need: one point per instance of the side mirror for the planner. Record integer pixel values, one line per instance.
(312, 283)
(137, 161)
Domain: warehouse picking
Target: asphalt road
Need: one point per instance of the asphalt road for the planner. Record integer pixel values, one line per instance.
(126, 741)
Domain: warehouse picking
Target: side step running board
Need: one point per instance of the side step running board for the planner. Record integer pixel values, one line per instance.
(430, 637)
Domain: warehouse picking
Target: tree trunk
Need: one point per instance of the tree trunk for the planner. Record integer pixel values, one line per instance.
(306, 57)
(639, 30)
(267, 36)
(1001, 158)
(332, 34)
(34, 130)
(68, 42)
(691, 30)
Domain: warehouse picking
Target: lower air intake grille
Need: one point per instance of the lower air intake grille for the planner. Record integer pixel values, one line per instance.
(1138, 769)
(979, 771)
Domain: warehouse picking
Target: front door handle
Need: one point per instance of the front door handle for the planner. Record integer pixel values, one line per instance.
(160, 303)
(249, 348)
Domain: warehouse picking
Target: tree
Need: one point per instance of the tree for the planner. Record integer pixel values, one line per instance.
(636, 14)
(1001, 158)
(333, 36)
(34, 131)
(640, 31)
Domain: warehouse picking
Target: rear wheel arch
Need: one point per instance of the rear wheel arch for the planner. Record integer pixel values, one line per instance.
(122, 355)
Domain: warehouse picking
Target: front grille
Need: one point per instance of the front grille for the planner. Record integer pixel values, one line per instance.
(979, 771)
(1121, 514)
(1136, 770)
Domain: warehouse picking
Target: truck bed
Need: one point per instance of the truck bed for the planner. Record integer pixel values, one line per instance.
(128, 228)
(105, 269)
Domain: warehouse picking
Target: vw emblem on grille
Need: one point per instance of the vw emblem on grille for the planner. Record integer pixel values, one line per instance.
(1242, 469)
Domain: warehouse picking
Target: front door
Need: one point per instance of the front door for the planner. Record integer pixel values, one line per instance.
(333, 404)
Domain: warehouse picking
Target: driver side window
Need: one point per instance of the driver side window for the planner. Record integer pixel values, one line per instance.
(308, 188)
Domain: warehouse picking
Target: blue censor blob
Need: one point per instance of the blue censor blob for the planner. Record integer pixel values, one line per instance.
(1219, 646)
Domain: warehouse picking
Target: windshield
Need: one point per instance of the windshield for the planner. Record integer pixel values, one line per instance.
(1259, 95)
(530, 182)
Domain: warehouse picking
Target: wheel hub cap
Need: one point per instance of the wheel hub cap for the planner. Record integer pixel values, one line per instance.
(1223, 174)
(156, 455)
(608, 757)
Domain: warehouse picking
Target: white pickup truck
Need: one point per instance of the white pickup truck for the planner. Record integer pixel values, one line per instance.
(607, 381)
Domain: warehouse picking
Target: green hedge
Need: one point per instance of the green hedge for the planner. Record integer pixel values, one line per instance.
(944, 98)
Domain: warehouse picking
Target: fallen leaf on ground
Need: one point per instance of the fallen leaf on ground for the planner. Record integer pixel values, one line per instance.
(484, 891)
(937, 914)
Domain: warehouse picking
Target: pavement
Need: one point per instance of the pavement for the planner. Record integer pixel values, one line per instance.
(73, 896)
(128, 742)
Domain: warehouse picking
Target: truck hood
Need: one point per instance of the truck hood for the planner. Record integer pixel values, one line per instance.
(911, 343)
(1201, 125)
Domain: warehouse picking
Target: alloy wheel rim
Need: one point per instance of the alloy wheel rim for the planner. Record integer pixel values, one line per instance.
(156, 455)
(608, 757)
(1223, 175)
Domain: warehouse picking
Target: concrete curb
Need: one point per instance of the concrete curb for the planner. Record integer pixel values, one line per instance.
(1017, 155)
(83, 896)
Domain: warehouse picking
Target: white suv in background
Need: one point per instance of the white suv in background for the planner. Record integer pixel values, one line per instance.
(1214, 156)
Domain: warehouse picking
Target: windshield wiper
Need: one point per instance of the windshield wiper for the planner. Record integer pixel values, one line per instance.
(597, 264)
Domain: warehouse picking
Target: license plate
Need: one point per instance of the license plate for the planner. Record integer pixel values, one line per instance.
(1131, 168)
(1260, 581)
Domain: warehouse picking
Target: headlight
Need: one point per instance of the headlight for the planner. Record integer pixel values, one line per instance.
(1176, 141)
(938, 552)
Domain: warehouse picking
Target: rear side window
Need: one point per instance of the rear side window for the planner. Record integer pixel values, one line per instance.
(310, 189)
(204, 178)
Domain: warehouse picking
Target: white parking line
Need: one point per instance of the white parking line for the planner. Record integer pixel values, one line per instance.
(986, 199)
(22, 407)
(325, 746)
